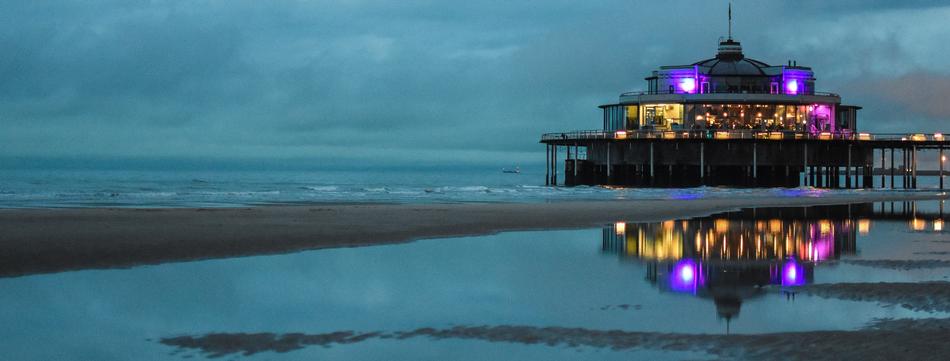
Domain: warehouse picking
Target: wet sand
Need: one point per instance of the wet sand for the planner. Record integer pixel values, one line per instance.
(917, 296)
(904, 339)
(35, 241)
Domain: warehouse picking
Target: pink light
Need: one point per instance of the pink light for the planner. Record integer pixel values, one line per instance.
(688, 85)
(791, 87)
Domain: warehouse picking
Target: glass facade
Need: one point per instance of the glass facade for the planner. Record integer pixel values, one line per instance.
(812, 118)
(661, 116)
(801, 118)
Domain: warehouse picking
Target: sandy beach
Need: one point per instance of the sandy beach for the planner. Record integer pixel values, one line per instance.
(36, 241)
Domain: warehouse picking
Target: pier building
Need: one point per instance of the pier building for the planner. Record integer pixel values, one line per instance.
(731, 120)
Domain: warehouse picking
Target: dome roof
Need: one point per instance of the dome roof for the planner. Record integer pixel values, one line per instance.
(731, 61)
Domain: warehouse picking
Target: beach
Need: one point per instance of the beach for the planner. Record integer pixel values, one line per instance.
(37, 241)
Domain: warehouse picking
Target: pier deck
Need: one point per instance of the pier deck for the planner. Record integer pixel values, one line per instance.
(741, 158)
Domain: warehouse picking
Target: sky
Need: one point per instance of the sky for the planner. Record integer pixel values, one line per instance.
(368, 83)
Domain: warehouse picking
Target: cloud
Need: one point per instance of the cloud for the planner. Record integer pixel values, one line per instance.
(400, 81)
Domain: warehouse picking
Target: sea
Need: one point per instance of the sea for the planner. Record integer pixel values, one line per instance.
(70, 188)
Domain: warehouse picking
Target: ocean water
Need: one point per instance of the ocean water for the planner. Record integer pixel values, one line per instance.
(31, 188)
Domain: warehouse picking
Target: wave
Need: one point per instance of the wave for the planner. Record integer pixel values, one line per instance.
(321, 188)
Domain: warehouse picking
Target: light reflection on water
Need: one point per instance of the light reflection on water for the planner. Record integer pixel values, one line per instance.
(677, 276)
(732, 257)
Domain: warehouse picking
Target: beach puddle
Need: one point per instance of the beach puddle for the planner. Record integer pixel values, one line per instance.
(675, 289)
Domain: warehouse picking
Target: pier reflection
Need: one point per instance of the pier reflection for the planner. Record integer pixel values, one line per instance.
(729, 257)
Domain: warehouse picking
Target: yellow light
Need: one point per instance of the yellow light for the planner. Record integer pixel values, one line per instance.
(722, 135)
(668, 225)
(776, 135)
(864, 136)
(685, 134)
(620, 228)
(938, 136)
(918, 137)
(775, 225)
(824, 136)
(864, 226)
(938, 225)
(943, 158)
(918, 224)
(669, 135)
(721, 225)
(620, 134)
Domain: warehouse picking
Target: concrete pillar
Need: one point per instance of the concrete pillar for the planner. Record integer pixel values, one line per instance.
(806, 174)
(651, 162)
(913, 167)
(702, 160)
(755, 166)
(847, 171)
(892, 168)
(575, 163)
(547, 164)
(904, 168)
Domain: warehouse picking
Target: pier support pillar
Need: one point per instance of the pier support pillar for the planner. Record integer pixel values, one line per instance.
(702, 165)
(913, 167)
(651, 164)
(755, 166)
(575, 163)
(940, 159)
(805, 170)
(847, 171)
(547, 165)
(882, 167)
(892, 169)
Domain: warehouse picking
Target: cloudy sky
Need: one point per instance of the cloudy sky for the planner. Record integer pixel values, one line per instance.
(416, 82)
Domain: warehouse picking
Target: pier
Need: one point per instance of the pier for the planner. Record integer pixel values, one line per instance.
(643, 158)
(739, 122)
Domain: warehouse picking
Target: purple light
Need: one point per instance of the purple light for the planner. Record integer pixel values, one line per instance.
(688, 85)
(793, 274)
(685, 276)
(791, 86)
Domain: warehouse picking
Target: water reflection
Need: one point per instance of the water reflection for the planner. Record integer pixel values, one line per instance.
(729, 257)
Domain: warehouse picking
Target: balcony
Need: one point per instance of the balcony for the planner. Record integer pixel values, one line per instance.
(729, 134)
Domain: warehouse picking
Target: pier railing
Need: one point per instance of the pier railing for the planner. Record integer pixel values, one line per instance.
(738, 134)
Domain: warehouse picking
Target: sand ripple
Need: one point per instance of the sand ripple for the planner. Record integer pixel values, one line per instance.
(918, 339)
(918, 296)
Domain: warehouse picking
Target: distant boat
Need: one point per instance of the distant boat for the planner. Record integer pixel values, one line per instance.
(517, 170)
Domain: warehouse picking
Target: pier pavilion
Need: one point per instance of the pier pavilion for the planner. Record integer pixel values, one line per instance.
(734, 121)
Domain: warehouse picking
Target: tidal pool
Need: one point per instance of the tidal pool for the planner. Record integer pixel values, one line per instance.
(738, 272)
